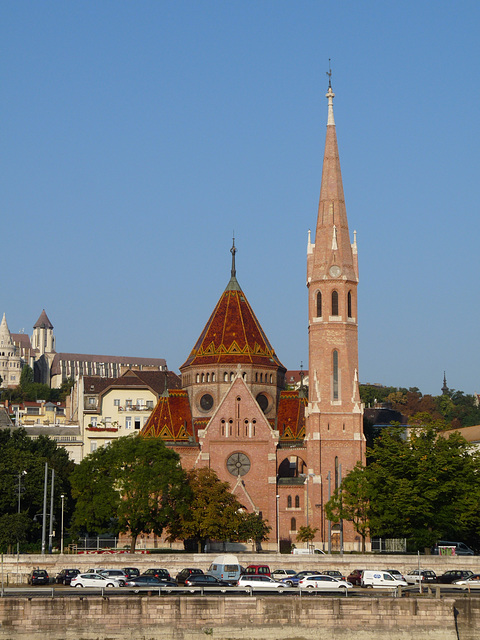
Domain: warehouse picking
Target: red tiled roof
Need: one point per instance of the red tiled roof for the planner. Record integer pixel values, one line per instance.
(171, 419)
(233, 335)
(291, 416)
(153, 379)
(43, 322)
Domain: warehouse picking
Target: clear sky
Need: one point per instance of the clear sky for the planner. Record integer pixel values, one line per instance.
(136, 136)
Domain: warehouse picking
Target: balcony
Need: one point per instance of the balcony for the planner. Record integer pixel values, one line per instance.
(135, 407)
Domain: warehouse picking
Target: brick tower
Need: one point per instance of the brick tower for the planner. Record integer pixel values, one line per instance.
(334, 430)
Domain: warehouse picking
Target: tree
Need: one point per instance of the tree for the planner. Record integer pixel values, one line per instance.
(214, 513)
(133, 485)
(26, 376)
(351, 502)
(306, 534)
(253, 527)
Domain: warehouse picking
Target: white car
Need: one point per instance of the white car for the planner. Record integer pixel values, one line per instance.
(324, 583)
(421, 575)
(260, 582)
(280, 574)
(93, 580)
(472, 582)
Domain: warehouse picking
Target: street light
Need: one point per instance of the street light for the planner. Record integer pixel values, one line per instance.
(278, 524)
(20, 475)
(61, 539)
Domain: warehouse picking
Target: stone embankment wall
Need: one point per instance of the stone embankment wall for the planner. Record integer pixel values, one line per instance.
(15, 570)
(237, 618)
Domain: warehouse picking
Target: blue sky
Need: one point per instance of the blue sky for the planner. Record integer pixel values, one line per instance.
(136, 136)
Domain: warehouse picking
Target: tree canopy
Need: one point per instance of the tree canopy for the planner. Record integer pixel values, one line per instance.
(425, 487)
(133, 485)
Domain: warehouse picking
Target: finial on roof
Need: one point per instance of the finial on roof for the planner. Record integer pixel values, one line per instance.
(165, 393)
(301, 391)
(233, 251)
(330, 95)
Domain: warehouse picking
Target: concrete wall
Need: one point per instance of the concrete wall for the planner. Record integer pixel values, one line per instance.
(232, 618)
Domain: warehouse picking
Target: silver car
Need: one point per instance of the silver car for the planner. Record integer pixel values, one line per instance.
(93, 580)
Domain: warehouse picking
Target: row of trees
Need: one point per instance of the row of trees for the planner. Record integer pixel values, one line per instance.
(424, 488)
(30, 390)
(136, 485)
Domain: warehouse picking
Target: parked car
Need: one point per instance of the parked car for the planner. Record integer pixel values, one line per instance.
(66, 575)
(395, 573)
(355, 577)
(158, 573)
(257, 570)
(118, 574)
(205, 580)
(447, 548)
(93, 580)
(322, 582)
(260, 582)
(454, 574)
(421, 575)
(292, 581)
(145, 582)
(186, 573)
(226, 567)
(280, 574)
(131, 572)
(38, 576)
(333, 573)
(472, 582)
(96, 570)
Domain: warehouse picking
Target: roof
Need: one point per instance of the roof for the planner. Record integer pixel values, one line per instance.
(22, 339)
(126, 361)
(155, 380)
(471, 434)
(291, 416)
(233, 334)
(171, 419)
(43, 322)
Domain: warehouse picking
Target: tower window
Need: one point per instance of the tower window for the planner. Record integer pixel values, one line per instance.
(289, 502)
(334, 303)
(225, 377)
(349, 304)
(297, 502)
(293, 524)
(335, 375)
(319, 305)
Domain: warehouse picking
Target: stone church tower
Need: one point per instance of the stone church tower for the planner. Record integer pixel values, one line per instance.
(334, 433)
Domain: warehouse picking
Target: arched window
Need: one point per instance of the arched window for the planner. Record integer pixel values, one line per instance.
(198, 377)
(335, 375)
(231, 377)
(293, 524)
(208, 377)
(334, 303)
(297, 502)
(289, 502)
(213, 377)
(319, 304)
(349, 304)
(225, 377)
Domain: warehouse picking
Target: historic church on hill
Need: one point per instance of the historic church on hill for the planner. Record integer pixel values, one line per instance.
(282, 453)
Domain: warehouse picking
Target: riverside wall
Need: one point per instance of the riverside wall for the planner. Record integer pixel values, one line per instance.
(238, 618)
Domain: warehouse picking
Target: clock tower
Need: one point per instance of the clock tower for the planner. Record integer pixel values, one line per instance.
(334, 431)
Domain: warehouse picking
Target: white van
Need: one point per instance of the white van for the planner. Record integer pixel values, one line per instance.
(226, 567)
(381, 580)
(298, 552)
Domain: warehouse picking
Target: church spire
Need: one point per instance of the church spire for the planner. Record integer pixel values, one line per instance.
(233, 283)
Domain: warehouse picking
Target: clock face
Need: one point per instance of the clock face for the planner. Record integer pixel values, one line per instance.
(238, 464)
(335, 271)
(206, 402)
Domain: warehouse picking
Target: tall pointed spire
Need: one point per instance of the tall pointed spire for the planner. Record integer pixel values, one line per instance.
(233, 283)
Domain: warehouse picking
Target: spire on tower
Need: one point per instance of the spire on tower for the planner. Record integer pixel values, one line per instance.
(330, 95)
(233, 283)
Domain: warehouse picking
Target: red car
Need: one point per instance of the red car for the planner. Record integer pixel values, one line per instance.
(355, 577)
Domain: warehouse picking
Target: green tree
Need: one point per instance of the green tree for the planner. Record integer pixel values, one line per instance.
(214, 513)
(26, 376)
(253, 527)
(306, 534)
(351, 502)
(134, 485)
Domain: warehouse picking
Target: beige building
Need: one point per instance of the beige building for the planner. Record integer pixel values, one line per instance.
(10, 361)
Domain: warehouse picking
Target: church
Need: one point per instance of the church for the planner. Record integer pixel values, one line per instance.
(282, 452)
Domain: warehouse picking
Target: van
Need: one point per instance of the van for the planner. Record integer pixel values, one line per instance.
(445, 548)
(298, 552)
(258, 570)
(380, 580)
(226, 567)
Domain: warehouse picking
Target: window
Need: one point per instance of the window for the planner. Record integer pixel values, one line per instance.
(137, 424)
(293, 524)
(128, 422)
(334, 303)
(91, 401)
(297, 502)
(93, 446)
(335, 375)
(149, 404)
(225, 377)
(289, 502)
(319, 305)
(94, 421)
(116, 403)
(336, 472)
(128, 404)
(349, 304)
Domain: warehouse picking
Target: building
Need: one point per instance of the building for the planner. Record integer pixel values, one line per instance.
(281, 452)
(10, 361)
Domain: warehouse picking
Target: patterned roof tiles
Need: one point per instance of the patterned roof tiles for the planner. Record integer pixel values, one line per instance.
(291, 416)
(171, 419)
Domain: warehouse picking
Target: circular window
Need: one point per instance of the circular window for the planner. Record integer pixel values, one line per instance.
(206, 402)
(262, 401)
(238, 464)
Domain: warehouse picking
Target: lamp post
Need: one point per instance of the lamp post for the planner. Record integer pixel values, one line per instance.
(20, 475)
(278, 523)
(61, 539)
(44, 519)
(50, 530)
